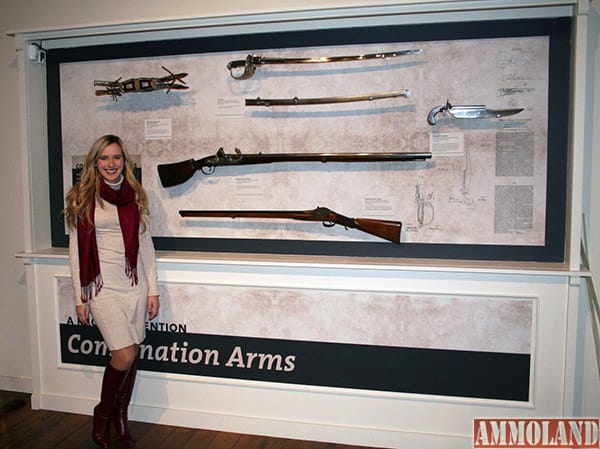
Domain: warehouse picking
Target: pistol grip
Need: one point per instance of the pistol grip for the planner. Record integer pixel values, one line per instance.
(435, 111)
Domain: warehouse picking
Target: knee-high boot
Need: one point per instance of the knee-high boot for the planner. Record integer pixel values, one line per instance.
(122, 404)
(111, 382)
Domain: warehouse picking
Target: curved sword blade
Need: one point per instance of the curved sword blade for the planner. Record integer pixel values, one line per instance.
(251, 62)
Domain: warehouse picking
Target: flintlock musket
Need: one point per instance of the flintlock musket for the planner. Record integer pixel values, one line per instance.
(174, 173)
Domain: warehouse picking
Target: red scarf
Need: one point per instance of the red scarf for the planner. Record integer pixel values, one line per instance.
(129, 220)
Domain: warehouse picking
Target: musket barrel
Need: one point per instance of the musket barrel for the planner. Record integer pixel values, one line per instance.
(260, 158)
(291, 214)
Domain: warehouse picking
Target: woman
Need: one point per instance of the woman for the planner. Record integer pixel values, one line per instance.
(113, 267)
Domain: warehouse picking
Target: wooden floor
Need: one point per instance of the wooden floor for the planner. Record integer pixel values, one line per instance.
(22, 427)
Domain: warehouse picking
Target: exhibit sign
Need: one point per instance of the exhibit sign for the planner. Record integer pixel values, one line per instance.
(462, 346)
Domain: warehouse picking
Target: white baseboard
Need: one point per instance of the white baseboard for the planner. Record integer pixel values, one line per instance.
(20, 384)
(269, 427)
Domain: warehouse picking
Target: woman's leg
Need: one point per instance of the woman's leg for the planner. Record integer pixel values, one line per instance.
(123, 358)
(114, 376)
(123, 398)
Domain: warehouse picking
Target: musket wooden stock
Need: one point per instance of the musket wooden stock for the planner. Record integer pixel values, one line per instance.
(175, 173)
(388, 230)
(385, 229)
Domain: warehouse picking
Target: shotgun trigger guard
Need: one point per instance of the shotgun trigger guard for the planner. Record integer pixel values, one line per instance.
(328, 224)
(207, 169)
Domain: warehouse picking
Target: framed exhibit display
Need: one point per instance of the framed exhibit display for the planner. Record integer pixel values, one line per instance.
(445, 140)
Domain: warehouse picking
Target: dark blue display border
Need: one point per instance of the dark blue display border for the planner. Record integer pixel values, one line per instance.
(557, 29)
(442, 372)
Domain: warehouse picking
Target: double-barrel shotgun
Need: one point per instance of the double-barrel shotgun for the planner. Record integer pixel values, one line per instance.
(385, 229)
(175, 173)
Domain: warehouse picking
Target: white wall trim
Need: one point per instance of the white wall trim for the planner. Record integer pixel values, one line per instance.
(20, 384)
(279, 428)
(577, 138)
(427, 11)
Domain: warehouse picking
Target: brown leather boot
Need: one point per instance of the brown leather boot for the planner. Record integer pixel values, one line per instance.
(111, 382)
(122, 404)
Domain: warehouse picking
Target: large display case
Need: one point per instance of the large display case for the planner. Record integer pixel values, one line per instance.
(494, 188)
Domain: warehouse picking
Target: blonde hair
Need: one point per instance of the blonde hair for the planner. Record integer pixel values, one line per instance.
(80, 197)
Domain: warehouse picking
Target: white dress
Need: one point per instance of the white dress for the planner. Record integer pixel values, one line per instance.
(120, 308)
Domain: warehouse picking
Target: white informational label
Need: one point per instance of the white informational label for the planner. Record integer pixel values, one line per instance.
(378, 207)
(248, 185)
(157, 129)
(231, 106)
(447, 144)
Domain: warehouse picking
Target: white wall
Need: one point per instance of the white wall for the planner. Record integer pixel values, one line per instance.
(590, 397)
(15, 368)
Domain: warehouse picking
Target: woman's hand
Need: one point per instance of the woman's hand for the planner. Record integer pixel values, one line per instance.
(83, 313)
(153, 306)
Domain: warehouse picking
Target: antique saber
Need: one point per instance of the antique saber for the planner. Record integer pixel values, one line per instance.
(253, 61)
(295, 101)
(469, 111)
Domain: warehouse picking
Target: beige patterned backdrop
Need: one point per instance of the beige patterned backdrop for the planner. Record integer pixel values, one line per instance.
(430, 321)
(485, 184)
